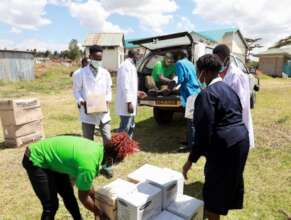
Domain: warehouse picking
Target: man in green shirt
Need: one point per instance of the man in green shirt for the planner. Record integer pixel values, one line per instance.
(162, 79)
(50, 163)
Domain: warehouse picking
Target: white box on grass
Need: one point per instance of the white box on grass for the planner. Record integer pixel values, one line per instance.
(141, 174)
(106, 196)
(165, 215)
(169, 186)
(142, 204)
(180, 178)
(187, 207)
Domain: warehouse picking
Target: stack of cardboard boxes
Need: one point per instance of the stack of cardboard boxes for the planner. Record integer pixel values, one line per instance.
(151, 193)
(21, 121)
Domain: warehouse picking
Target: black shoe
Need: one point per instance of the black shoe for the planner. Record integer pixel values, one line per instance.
(184, 149)
(184, 143)
(107, 172)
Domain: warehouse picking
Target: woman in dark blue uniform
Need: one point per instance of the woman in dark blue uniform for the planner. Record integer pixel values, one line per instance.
(222, 138)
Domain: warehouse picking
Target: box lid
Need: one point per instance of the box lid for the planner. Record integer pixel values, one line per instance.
(9, 104)
(144, 171)
(143, 194)
(163, 179)
(173, 173)
(165, 215)
(110, 192)
(185, 205)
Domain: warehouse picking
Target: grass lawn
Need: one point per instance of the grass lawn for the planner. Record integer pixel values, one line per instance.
(268, 170)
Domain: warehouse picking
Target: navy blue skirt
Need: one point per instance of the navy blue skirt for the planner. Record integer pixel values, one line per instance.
(224, 185)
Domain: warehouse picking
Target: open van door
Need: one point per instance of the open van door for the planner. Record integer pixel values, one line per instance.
(165, 41)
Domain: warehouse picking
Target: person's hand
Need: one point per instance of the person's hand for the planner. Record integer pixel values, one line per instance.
(92, 193)
(141, 94)
(187, 166)
(130, 108)
(172, 84)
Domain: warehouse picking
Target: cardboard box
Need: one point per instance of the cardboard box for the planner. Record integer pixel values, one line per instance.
(106, 196)
(187, 207)
(96, 104)
(142, 204)
(180, 178)
(169, 186)
(142, 173)
(21, 111)
(15, 131)
(24, 140)
(165, 215)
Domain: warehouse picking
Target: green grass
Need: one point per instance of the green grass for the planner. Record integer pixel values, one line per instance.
(268, 170)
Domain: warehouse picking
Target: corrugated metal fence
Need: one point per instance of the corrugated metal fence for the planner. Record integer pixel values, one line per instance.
(287, 68)
(16, 65)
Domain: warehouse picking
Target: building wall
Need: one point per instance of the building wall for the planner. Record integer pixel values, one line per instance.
(16, 66)
(112, 57)
(235, 44)
(272, 65)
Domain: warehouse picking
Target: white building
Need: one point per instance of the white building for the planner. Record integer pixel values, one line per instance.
(232, 37)
(113, 48)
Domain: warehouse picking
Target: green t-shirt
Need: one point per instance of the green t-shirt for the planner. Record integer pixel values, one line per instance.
(161, 68)
(78, 157)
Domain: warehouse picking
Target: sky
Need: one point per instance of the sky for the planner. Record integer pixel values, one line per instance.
(51, 24)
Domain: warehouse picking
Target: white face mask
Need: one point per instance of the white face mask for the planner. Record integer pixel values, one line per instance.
(96, 63)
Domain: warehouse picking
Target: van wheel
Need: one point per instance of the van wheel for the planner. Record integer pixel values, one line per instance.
(163, 116)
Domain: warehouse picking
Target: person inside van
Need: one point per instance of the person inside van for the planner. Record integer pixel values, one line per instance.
(161, 82)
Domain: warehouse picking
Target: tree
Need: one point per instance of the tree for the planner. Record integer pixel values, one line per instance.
(252, 44)
(47, 53)
(74, 50)
(283, 42)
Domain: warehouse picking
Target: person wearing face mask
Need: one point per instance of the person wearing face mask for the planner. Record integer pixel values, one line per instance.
(221, 137)
(127, 93)
(239, 82)
(94, 82)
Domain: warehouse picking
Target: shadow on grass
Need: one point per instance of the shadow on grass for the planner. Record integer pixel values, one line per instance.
(194, 189)
(160, 139)
(3, 146)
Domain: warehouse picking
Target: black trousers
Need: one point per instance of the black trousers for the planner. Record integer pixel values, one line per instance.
(47, 185)
(224, 183)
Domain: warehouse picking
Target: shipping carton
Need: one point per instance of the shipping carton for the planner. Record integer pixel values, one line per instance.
(24, 140)
(169, 186)
(21, 111)
(142, 173)
(15, 131)
(142, 204)
(106, 196)
(187, 207)
(96, 104)
(167, 216)
(178, 176)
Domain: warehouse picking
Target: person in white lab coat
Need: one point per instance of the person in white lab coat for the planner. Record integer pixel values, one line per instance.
(94, 80)
(239, 82)
(127, 93)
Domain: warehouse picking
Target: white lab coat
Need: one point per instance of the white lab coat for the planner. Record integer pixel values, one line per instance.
(127, 88)
(239, 82)
(85, 83)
